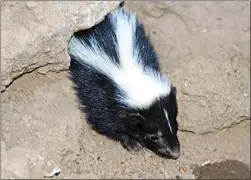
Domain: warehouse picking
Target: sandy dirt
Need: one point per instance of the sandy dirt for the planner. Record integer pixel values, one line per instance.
(42, 127)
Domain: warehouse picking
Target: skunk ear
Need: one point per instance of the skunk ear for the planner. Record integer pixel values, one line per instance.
(136, 120)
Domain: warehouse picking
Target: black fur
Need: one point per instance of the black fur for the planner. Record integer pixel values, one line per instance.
(143, 44)
(105, 34)
(122, 4)
(134, 128)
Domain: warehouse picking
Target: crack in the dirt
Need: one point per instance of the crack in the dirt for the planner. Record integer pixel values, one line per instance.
(187, 131)
(226, 127)
(193, 95)
(28, 71)
(25, 68)
(216, 130)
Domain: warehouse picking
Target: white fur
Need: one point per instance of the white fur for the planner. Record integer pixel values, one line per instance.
(141, 88)
(169, 125)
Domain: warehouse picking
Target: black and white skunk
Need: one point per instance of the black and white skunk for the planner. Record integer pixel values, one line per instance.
(117, 78)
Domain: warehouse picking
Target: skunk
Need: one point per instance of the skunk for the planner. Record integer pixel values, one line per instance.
(118, 81)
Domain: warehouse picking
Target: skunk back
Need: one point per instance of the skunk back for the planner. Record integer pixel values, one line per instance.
(118, 50)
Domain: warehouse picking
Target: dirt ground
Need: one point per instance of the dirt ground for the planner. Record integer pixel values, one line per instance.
(42, 127)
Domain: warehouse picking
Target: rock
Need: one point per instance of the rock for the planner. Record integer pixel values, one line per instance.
(20, 163)
(35, 34)
(52, 130)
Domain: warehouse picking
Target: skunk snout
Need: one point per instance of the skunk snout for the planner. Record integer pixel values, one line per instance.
(173, 154)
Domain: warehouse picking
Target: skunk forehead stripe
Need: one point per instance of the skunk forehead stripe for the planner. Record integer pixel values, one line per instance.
(168, 121)
(141, 87)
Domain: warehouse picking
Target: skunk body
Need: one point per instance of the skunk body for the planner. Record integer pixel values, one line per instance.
(118, 81)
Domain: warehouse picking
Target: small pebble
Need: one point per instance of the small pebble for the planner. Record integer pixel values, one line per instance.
(185, 169)
(55, 172)
(206, 162)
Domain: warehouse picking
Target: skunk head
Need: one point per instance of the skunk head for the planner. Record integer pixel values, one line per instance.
(156, 126)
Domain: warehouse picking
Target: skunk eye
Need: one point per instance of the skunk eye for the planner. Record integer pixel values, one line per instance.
(154, 137)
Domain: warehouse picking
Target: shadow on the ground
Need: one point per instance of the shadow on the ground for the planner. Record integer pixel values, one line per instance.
(229, 169)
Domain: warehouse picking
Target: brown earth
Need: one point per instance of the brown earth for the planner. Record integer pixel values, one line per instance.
(203, 46)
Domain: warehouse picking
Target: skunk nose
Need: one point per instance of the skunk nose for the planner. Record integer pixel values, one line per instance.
(175, 154)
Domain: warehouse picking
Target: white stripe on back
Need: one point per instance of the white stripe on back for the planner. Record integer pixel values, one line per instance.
(142, 88)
